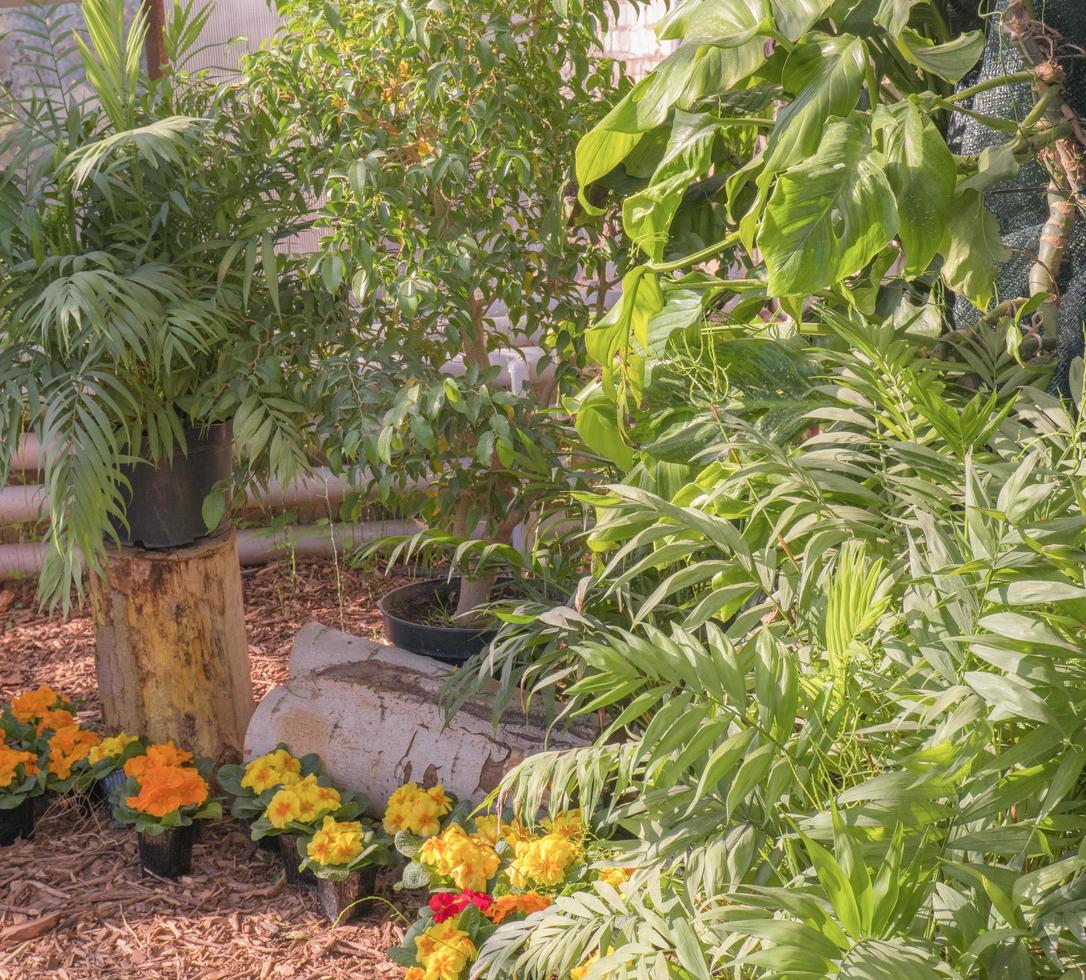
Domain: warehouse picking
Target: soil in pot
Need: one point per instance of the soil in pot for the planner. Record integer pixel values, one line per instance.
(169, 854)
(16, 823)
(164, 504)
(417, 619)
(339, 900)
(288, 851)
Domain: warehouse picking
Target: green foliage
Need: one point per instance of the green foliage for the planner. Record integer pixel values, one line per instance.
(437, 138)
(845, 714)
(796, 151)
(144, 292)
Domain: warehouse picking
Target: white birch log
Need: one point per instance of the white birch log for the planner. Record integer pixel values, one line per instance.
(371, 712)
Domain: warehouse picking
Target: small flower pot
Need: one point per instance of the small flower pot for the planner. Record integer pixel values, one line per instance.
(17, 822)
(169, 854)
(269, 845)
(288, 851)
(339, 899)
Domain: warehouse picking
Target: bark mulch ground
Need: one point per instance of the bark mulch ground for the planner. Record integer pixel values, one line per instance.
(73, 902)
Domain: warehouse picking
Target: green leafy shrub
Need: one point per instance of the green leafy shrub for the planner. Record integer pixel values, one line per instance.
(439, 137)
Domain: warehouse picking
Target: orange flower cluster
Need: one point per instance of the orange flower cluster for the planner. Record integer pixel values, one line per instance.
(11, 759)
(165, 754)
(506, 905)
(55, 719)
(166, 788)
(33, 705)
(68, 746)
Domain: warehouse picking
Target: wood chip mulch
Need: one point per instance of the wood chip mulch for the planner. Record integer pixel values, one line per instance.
(73, 902)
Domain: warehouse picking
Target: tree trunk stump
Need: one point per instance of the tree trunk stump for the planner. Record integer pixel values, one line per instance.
(172, 660)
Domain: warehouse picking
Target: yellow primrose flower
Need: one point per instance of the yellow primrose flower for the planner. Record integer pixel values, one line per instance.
(336, 842)
(305, 801)
(468, 860)
(110, 748)
(417, 811)
(283, 808)
(543, 861)
(444, 951)
(494, 829)
(616, 876)
(278, 768)
(568, 825)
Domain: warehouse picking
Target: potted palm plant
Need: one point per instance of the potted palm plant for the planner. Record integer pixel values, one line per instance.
(436, 136)
(145, 304)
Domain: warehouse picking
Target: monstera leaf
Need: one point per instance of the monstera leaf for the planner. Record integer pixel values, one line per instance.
(921, 170)
(829, 216)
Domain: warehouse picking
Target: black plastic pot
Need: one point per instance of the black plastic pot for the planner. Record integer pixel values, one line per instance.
(169, 854)
(288, 851)
(164, 504)
(17, 822)
(403, 609)
(112, 787)
(339, 899)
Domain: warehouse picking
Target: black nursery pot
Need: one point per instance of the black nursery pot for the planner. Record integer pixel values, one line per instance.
(111, 787)
(164, 505)
(17, 822)
(288, 851)
(338, 899)
(404, 611)
(169, 854)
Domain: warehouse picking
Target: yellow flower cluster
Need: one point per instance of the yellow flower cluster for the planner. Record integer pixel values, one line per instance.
(567, 825)
(110, 748)
(493, 829)
(303, 802)
(336, 842)
(467, 859)
(444, 951)
(616, 876)
(543, 861)
(278, 768)
(579, 972)
(416, 810)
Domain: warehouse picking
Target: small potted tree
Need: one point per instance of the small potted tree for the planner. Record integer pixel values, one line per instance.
(438, 139)
(145, 306)
(344, 856)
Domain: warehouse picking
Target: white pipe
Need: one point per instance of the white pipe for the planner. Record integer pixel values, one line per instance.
(23, 504)
(256, 546)
(28, 503)
(28, 454)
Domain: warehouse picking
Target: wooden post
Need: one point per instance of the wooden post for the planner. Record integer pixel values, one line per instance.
(155, 48)
(172, 656)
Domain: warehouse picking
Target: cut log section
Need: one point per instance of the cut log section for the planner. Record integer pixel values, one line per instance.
(171, 652)
(371, 712)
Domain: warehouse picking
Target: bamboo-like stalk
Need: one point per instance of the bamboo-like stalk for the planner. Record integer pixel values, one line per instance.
(1064, 159)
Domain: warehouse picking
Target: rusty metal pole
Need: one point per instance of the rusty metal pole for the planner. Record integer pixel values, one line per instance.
(155, 49)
